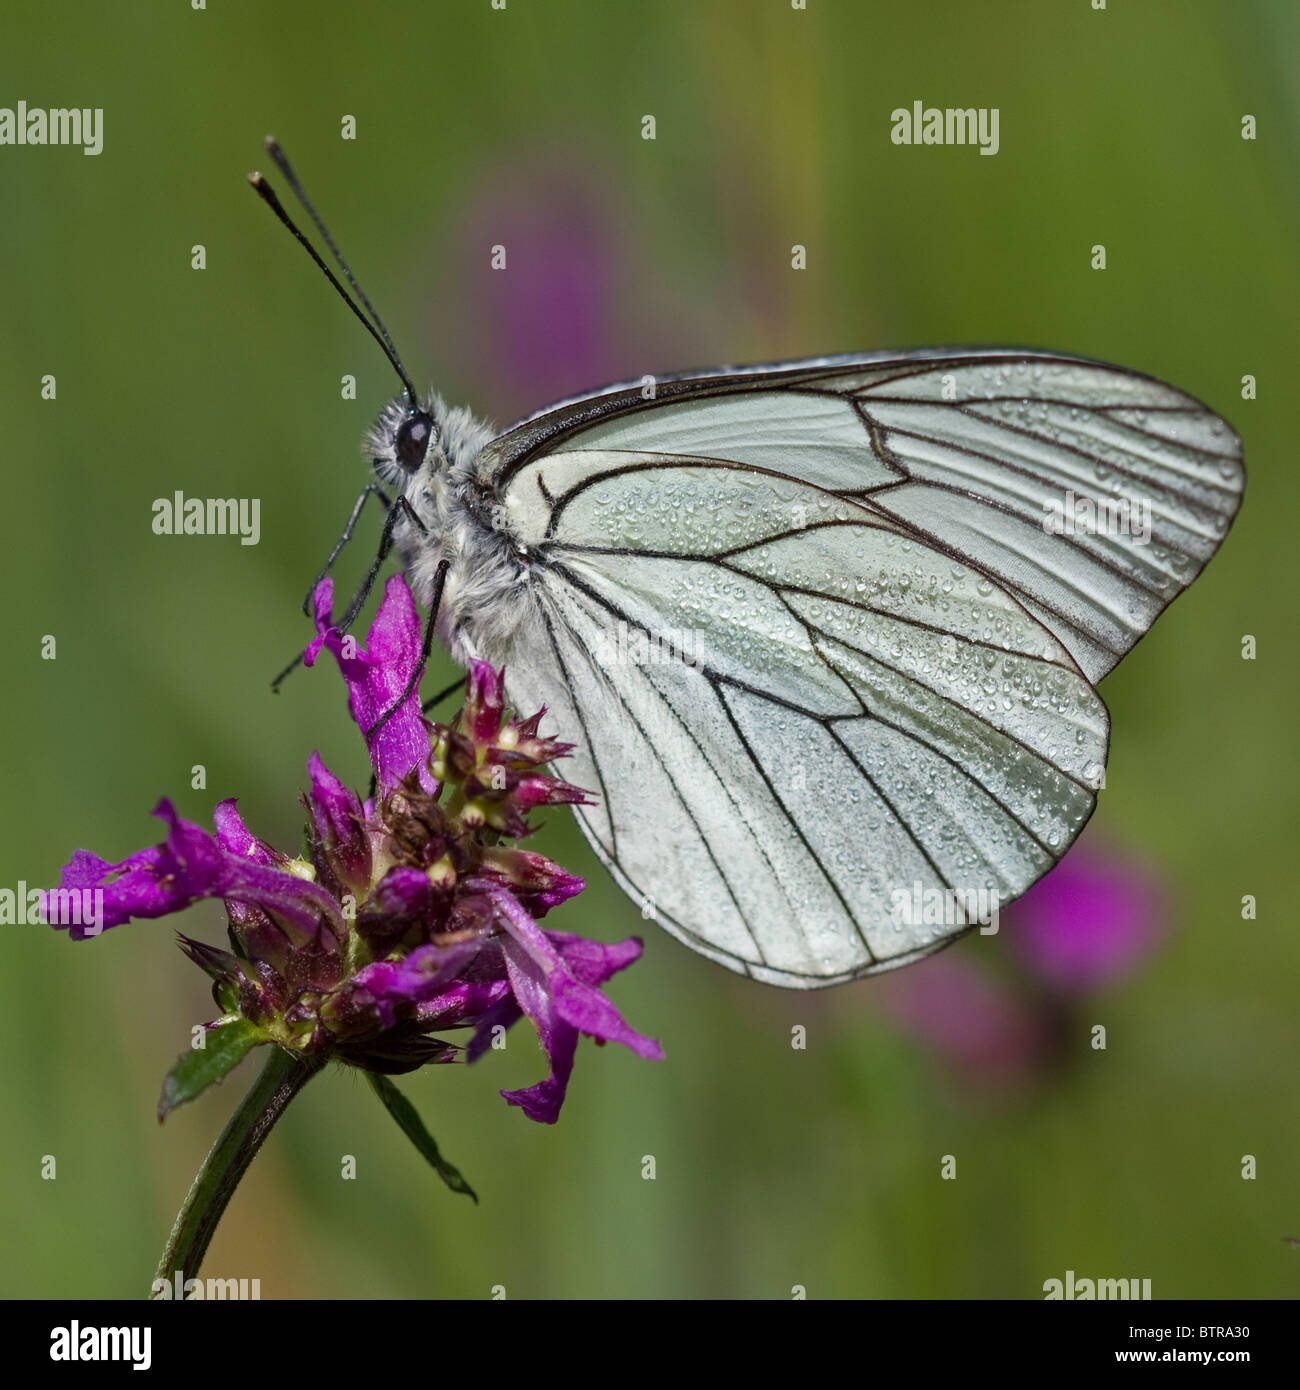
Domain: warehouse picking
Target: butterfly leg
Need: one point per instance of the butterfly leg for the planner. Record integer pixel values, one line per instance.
(433, 703)
(401, 508)
(346, 536)
(442, 695)
(397, 510)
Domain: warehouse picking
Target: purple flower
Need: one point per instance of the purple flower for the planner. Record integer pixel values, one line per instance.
(1089, 922)
(987, 1033)
(409, 913)
(555, 322)
(191, 864)
(377, 678)
(554, 979)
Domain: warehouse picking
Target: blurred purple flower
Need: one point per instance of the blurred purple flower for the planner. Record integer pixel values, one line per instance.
(1090, 922)
(557, 319)
(967, 1017)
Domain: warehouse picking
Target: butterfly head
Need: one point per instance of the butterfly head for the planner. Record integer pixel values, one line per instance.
(405, 439)
(414, 435)
(417, 443)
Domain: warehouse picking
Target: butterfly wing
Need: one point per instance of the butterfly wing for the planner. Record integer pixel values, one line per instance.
(821, 747)
(863, 731)
(972, 449)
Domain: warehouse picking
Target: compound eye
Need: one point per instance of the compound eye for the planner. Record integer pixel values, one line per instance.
(412, 442)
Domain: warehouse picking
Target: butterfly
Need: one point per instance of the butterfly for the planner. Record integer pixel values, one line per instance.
(825, 634)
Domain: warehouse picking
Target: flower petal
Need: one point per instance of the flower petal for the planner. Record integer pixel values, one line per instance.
(341, 851)
(561, 1002)
(593, 962)
(537, 883)
(401, 899)
(385, 993)
(235, 836)
(190, 864)
(530, 986)
(376, 675)
(484, 703)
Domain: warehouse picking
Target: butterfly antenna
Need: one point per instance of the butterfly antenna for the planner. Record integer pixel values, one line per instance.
(267, 195)
(274, 149)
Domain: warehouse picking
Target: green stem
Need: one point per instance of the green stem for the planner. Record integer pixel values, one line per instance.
(283, 1076)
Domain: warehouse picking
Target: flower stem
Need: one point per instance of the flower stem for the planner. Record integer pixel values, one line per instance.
(283, 1076)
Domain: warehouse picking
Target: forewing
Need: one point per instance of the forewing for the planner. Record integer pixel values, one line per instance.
(1093, 494)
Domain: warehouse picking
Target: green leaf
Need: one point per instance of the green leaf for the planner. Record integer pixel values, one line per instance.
(226, 1044)
(412, 1126)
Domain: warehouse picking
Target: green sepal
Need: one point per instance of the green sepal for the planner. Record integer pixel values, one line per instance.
(226, 995)
(412, 1126)
(225, 1044)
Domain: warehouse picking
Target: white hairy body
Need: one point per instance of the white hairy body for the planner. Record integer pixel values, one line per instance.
(487, 595)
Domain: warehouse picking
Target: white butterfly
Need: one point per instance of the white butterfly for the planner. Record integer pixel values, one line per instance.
(885, 609)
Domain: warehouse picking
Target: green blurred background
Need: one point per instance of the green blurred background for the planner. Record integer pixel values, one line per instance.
(775, 1167)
